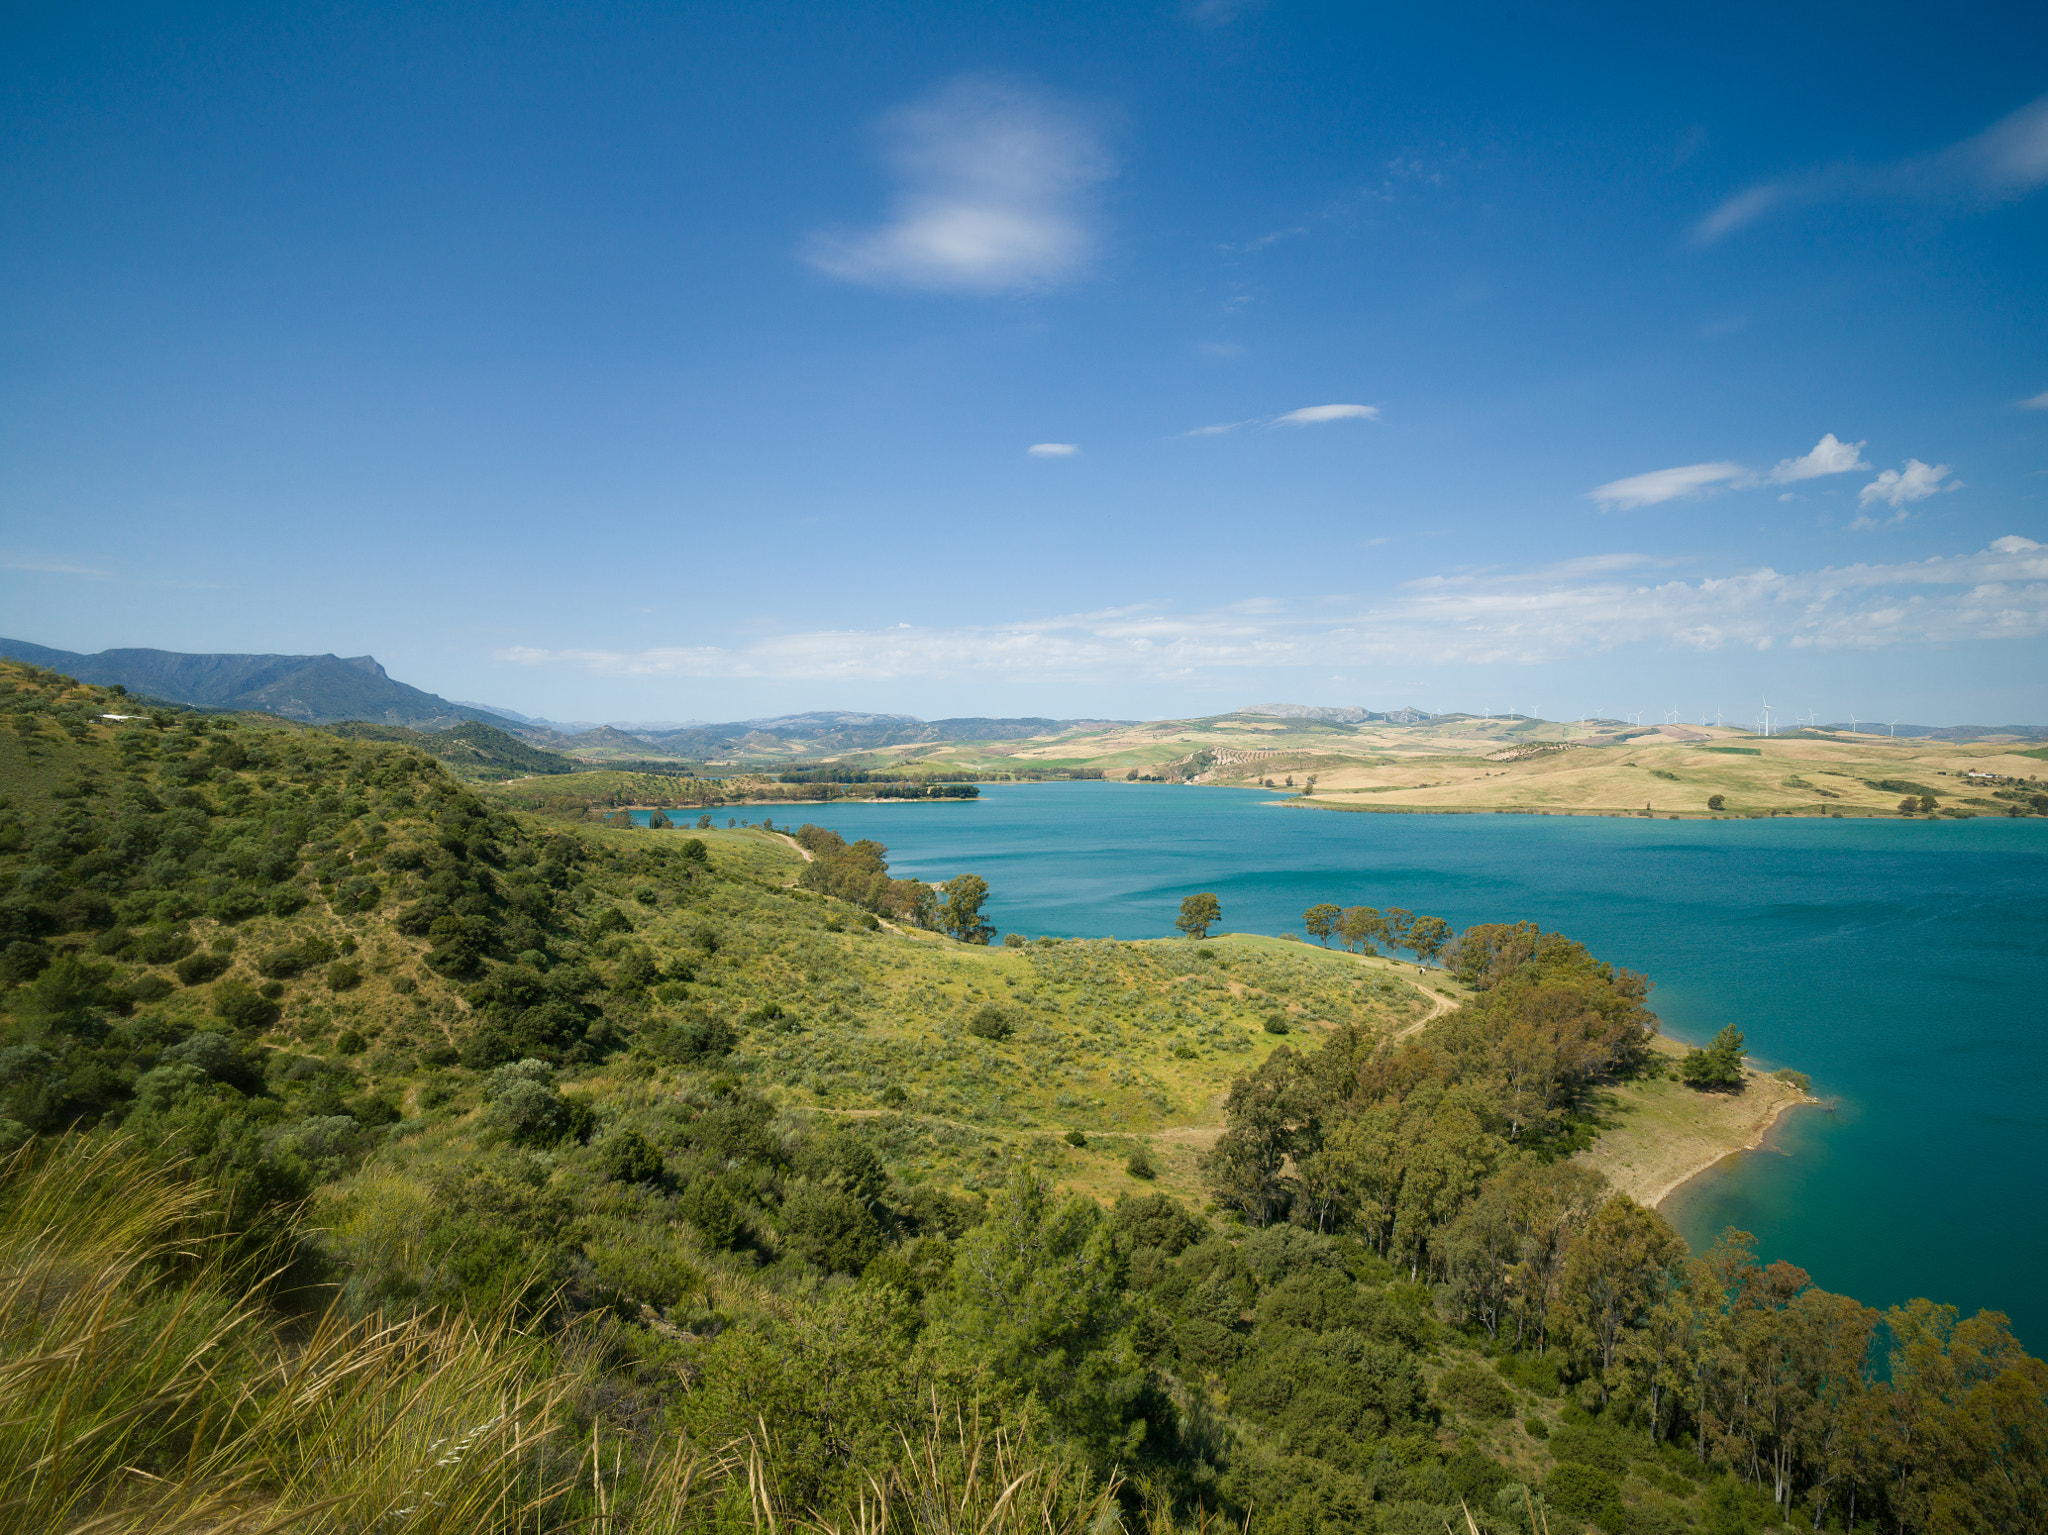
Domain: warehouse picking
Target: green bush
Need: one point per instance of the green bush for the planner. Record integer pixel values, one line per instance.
(241, 1006)
(349, 1042)
(1591, 1444)
(1536, 1428)
(1276, 1023)
(150, 988)
(198, 969)
(630, 1157)
(830, 1227)
(707, 1204)
(1537, 1373)
(637, 1270)
(163, 945)
(1585, 1492)
(1475, 1391)
(1140, 1165)
(343, 976)
(1075, 1138)
(992, 1020)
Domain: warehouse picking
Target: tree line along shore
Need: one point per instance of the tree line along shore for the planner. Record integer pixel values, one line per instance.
(383, 1155)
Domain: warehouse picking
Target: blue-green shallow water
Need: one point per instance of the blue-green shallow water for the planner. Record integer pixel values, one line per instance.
(1903, 964)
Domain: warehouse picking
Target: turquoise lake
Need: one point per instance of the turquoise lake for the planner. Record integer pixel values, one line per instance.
(1902, 964)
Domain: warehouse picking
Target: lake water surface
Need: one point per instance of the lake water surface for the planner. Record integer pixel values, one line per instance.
(1902, 964)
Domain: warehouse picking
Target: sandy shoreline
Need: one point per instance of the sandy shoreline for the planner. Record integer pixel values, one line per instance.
(1671, 1134)
(1762, 1133)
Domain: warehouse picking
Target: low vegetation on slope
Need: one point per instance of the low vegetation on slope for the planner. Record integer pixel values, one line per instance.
(472, 750)
(384, 1157)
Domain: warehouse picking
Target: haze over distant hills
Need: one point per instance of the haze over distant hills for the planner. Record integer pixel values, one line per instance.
(326, 689)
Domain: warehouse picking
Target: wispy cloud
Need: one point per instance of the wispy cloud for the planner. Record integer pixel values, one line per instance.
(1308, 415)
(1828, 456)
(49, 568)
(30, 565)
(1580, 608)
(1661, 485)
(2007, 160)
(992, 184)
(1311, 415)
(2038, 402)
(1053, 449)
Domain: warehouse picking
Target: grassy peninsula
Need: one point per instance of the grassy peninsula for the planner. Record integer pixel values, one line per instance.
(382, 1155)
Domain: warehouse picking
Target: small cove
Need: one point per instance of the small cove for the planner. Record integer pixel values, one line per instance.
(1900, 963)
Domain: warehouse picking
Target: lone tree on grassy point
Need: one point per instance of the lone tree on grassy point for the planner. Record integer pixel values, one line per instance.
(1719, 1065)
(658, 821)
(1321, 921)
(961, 915)
(1198, 913)
(1717, 801)
(1360, 927)
(1427, 937)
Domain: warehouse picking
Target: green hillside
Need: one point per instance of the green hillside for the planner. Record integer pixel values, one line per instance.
(473, 750)
(383, 1157)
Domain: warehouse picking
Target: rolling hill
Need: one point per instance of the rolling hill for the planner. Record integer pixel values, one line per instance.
(312, 689)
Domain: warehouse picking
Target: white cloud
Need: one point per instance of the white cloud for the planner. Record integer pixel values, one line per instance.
(2007, 160)
(1828, 457)
(1310, 415)
(1052, 450)
(2038, 402)
(992, 181)
(1742, 208)
(1665, 485)
(1916, 482)
(1552, 613)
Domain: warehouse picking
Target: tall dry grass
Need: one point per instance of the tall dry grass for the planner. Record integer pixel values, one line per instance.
(147, 1389)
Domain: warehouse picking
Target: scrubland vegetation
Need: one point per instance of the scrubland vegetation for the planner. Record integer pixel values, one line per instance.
(386, 1156)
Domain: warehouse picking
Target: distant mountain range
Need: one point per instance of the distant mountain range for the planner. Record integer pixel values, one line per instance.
(315, 689)
(323, 690)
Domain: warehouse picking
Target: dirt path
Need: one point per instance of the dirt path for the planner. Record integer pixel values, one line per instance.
(1439, 1004)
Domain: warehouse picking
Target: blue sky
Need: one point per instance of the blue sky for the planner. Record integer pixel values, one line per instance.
(663, 362)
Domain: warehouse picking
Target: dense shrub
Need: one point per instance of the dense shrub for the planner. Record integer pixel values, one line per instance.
(198, 969)
(241, 1006)
(1585, 1492)
(627, 1156)
(992, 1020)
(1475, 1391)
